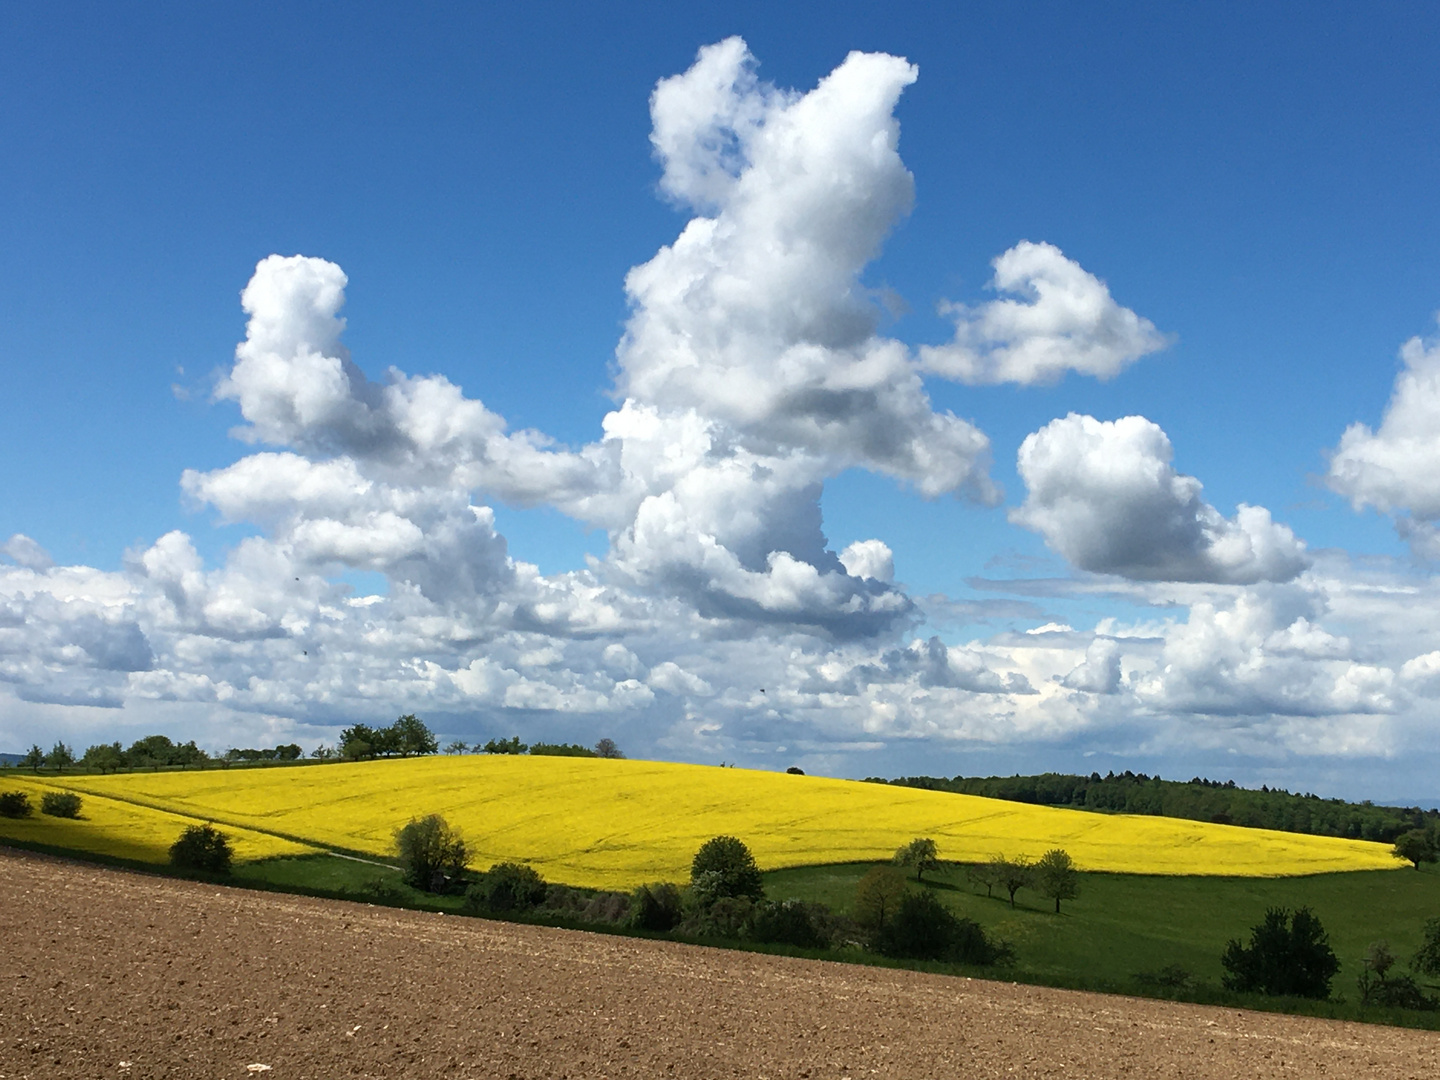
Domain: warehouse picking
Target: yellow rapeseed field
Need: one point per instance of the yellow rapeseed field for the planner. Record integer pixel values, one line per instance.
(108, 826)
(613, 824)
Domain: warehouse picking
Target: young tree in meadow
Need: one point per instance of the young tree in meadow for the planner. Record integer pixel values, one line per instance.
(34, 757)
(920, 853)
(60, 755)
(1013, 874)
(1056, 876)
(456, 747)
(877, 896)
(985, 873)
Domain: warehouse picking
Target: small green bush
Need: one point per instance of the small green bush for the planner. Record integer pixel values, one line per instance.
(14, 804)
(925, 929)
(610, 908)
(727, 917)
(1378, 987)
(506, 887)
(202, 847)
(788, 922)
(607, 907)
(1286, 957)
(655, 907)
(60, 804)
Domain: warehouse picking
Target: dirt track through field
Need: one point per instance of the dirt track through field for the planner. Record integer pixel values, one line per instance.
(105, 973)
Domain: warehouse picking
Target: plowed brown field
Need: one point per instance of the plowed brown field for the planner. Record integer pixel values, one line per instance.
(111, 974)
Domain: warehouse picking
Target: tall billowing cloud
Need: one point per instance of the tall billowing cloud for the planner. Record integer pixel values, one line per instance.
(1396, 469)
(1054, 318)
(751, 369)
(1105, 495)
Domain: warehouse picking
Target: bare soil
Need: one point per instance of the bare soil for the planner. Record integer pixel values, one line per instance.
(105, 973)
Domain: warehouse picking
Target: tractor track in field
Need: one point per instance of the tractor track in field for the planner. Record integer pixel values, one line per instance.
(110, 973)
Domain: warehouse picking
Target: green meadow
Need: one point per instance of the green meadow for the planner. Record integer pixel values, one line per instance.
(1124, 925)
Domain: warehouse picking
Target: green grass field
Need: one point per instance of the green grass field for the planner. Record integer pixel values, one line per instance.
(1123, 924)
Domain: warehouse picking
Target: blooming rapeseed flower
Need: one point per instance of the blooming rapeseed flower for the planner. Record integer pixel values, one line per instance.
(616, 823)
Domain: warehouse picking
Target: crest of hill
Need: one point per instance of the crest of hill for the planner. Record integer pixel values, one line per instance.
(1198, 799)
(617, 823)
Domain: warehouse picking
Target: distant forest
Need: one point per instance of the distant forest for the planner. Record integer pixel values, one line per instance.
(1197, 799)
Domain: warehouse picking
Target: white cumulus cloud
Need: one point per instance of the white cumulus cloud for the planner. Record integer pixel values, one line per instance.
(1105, 495)
(1055, 317)
(1395, 469)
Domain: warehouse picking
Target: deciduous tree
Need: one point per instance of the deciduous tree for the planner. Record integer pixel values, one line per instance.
(724, 867)
(1415, 847)
(877, 896)
(985, 873)
(1056, 876)
(357, 742)
(920, 853)
(431, 853)
(104, 758)
(1012, 875)
(411, 736)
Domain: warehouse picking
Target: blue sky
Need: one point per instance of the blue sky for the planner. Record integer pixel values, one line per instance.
(1254, 185)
